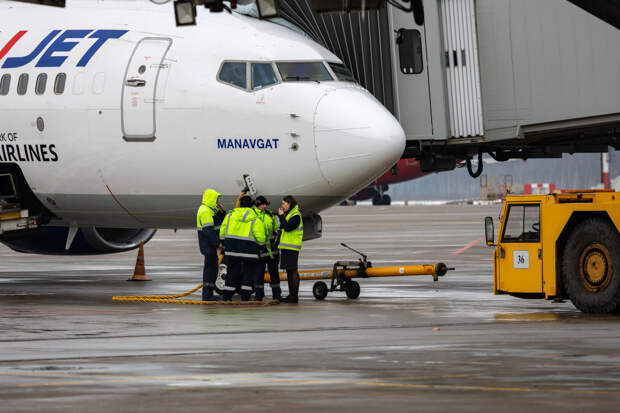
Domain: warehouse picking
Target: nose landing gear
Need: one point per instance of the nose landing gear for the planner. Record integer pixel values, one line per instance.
(380, 197)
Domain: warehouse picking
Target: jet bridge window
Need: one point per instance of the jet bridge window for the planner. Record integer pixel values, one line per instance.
(410, 51)
(303, 71)
(523, 224)
(234, 73)
(342, 72)
(59, 84)
(263, 75)
(41, 84)
(5, 84)
(22, 84)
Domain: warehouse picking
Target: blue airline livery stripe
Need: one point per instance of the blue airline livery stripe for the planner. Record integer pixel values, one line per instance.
(64, 43)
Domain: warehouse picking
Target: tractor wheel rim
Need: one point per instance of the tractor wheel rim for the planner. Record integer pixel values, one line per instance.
(595, 267)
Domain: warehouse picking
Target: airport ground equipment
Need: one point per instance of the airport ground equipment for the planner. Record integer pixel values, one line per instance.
(559, 246)
(13, 217)
(342, 273)
(512, 79)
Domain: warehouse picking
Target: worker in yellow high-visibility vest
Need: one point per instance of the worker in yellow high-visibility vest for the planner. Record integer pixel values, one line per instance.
(292, 226)
(208, 220)
(269, 252)
(243, 234)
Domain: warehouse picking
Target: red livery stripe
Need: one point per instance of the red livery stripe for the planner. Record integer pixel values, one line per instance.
(11, 43)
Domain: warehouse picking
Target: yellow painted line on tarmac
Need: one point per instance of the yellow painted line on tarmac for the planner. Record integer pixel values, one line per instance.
(75, 383)
(443, 376)
(483, 388)
(36, 374)
(260, 380)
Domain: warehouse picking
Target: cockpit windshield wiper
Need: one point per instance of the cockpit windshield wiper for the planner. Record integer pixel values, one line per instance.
(297, 78)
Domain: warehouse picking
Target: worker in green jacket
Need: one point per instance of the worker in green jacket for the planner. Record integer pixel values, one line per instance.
(269, 252)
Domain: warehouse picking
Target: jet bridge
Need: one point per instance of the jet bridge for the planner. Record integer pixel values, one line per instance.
(512, 78)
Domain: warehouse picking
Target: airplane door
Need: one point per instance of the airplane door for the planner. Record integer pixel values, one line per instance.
(138, 104)
(520, 262)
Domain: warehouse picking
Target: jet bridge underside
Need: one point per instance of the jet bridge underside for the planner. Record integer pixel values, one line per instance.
(544, 141)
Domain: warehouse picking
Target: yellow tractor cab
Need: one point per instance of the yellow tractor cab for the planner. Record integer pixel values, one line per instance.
(559, 246)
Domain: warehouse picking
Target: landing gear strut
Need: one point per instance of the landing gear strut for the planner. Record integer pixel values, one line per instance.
(380, 198)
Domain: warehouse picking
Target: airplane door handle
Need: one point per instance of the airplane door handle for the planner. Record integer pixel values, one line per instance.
(135, 82)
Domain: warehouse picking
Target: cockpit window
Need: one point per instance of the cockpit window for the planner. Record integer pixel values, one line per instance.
(263, 75)
(342, 72)
(303, 71)
(234, 73)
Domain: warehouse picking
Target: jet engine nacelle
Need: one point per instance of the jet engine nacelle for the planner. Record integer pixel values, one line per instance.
(87, 241)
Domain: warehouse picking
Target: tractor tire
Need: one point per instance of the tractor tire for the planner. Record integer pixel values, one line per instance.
(591, 266)
(352, 289)
(319, 290)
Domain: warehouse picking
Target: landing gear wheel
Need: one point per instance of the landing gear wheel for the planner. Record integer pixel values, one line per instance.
(377, 200)
(319, 290)
(220, 281)
(352, 289)
(591, 267)
(387, 200)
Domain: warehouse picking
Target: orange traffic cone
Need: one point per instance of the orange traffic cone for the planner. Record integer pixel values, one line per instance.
(139, 274)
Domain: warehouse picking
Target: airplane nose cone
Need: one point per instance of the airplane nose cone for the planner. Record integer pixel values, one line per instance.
(357, 139)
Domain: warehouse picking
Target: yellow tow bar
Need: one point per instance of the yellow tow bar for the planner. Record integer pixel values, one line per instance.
(343, 272)
(436, 270)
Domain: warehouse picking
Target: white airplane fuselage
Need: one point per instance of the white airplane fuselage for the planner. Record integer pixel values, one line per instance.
(144, 125)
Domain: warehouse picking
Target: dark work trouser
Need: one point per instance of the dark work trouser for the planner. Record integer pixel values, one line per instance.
(239, 272)
(292, 277)
(209, 275)
(258, 278)
(274, 276)
(271, 266)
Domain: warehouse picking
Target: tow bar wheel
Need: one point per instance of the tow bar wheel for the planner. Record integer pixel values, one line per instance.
(352, 289)
(319, 290)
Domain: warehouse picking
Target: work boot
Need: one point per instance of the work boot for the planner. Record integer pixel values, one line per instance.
(245, 297)
(290, 299)
(207, 294)
(276, 294)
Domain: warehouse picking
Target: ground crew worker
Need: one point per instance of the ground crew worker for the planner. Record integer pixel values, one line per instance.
(269, 252)
(208, 220)
(292, 227)
(243, 235)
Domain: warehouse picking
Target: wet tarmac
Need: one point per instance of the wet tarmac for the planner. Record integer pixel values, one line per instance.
(407, 344)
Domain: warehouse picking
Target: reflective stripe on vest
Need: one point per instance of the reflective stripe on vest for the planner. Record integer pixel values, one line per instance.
(240, 254)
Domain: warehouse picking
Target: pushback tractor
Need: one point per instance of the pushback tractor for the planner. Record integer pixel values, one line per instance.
(559, 246)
